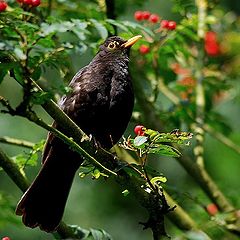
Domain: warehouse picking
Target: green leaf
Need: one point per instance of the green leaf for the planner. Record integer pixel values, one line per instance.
(100, 234)
(23, 160)
(96, 173)
(80, 233)
(117, 24)
(188, 32)
(81, 175)
(174, 136)
(139, 140)
(39, 146)
(165, 150)
(18, 74)
(3, 73)
(152, 133)
(19, 53)
(161, 179)
(125, 192)
(197, 235)
(134, 25)
(41, 97)
(100, 28)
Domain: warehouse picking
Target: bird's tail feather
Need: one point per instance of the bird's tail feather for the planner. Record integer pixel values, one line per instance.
(44, 202)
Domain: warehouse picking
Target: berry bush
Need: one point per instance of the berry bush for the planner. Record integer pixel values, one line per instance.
(178, 159)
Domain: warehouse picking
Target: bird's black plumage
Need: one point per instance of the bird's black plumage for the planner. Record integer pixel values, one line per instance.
(101, 103)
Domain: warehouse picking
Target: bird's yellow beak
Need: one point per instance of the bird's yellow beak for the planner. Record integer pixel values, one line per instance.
(131, 41)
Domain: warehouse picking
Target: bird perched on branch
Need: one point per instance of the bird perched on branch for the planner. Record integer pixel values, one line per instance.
(101, 104)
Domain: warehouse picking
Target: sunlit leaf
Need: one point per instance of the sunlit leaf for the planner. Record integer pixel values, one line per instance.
(165, 150)
(161, 179)
(125, 192)
(140, 140)
(19, 54)
(96, 173)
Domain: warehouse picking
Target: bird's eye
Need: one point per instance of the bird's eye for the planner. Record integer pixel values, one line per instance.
(112, 45)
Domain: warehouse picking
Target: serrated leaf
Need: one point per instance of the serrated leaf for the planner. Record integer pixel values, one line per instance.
(139, 140)
(100, 28)
(165, 150)
(152, 133)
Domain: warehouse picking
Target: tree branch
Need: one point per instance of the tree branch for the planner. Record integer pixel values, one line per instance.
(16, 142)
(22, 182)
(200, 175)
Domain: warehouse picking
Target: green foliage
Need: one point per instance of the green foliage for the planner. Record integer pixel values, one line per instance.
(45, 45)
(155, 142)
(87, 169)
(91, 234)
(29, 158)
(7, 206)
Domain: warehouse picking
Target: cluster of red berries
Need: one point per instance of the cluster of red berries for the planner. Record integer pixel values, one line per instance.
(139, 130)
(32, 3)
(153, 18)
(211, 44)
(146, 15)
(169, 25)
(3, 6)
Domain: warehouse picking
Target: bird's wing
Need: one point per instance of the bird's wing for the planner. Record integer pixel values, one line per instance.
(50, 138)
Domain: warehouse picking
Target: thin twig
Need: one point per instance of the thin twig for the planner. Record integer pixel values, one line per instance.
(16, 142)
(200, 93)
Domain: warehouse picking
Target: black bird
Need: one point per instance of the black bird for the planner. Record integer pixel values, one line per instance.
(101, 104)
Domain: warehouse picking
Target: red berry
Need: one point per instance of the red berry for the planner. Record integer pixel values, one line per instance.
(36, 3)
(212, 209)
(138, 15)
(144, 49)
(210, 37)
(164, 23)
(172, 25)
(3, 6)
(19, 1)
(210, 44)
(212, 49)
(154, 18)
(146, 15)
(139, 130)
(27, 2)
(6, 238)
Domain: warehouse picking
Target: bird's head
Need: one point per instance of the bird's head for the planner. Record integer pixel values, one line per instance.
(116, 47)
